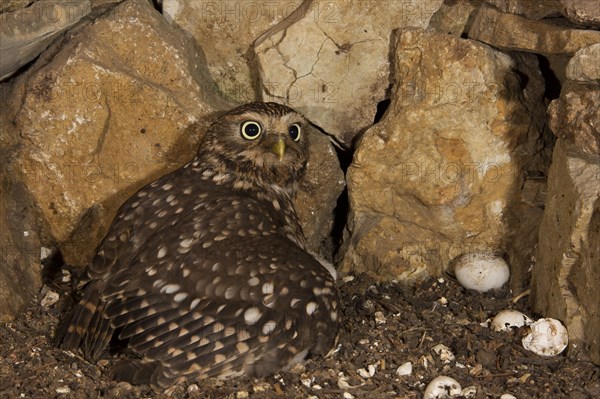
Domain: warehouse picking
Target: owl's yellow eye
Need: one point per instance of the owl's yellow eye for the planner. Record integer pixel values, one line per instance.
(294, 131)
(251, 130)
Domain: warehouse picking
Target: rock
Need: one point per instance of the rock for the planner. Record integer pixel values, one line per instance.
(21, 269)
(225, 32)
(513, 32)
(452, 18)
(575, 116)
(586, 12)
(529, 9)
(436, 176)
(566, 275)
(26, 32)
(14, 5)
(318, 194)
(584, 66)
(311, 61)
(102, 113)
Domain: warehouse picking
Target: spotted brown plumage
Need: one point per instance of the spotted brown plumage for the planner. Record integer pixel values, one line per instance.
(204, 272)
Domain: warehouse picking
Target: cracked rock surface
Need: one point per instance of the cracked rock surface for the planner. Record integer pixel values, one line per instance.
(311, 64)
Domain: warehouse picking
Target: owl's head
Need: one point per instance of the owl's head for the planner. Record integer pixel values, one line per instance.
(261, 142)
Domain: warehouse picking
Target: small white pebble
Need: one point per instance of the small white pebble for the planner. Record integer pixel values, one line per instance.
(379, 318)
(45, 253)
(363, 373)
(66, 276)
(193, 388)
(49, 299)
(405, 369)
(507, 396)
(242, 395)
(342, 382)
(261, 387)
(443, 301)
(63, 390)
(469, 392)
(348, 395)
(372, 369)
(445, 354)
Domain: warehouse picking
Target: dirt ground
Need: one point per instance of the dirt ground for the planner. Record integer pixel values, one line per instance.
(385, 325)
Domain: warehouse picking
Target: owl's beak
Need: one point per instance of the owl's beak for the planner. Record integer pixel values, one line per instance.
(279, 148)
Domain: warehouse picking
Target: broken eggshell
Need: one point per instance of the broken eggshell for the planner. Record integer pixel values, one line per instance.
(547, 337)
(507, 319)
(442, 387)
(481, 271)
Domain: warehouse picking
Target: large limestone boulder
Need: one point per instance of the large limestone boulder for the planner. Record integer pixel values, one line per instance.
(225, 32)
(26, 32)
(330, 60)
(102, 113)
(566, 276)
(585, 65)
(530, 9)
(585, 12)
(514, 32)
(575, 116)
(436, 176)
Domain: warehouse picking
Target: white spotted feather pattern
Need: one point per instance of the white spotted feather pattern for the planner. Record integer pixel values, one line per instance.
(204, 273)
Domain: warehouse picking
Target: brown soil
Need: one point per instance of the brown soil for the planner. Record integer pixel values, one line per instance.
(384, 326)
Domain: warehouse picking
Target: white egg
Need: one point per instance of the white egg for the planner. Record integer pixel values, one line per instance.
(481, 271)
(442, 387)
(548, 337)
(507, 319)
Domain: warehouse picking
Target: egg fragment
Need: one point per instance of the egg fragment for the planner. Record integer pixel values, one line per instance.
(507, 319)
(481, 271)
(442, 387)
(548, 337)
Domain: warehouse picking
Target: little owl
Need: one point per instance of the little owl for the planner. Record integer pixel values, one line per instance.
(205, 271)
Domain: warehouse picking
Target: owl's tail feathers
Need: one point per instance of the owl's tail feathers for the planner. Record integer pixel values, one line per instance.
(138, 372)
(86, 327)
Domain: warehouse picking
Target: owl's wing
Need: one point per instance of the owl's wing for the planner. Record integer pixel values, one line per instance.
(136, 222)
(248, 306)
